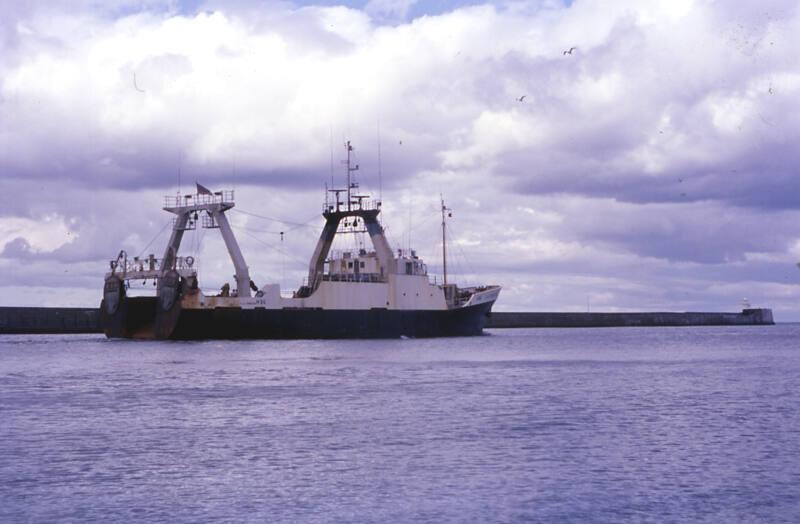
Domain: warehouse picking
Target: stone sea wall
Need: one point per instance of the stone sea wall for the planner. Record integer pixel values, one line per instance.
(45, 320)
(747, 317)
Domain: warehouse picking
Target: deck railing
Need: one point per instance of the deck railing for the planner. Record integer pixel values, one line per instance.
(353, 277)
(355, 205)
(199, 199)
(149, 265)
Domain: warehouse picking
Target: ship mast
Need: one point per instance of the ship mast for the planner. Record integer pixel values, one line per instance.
(350, 185)
(444, 238)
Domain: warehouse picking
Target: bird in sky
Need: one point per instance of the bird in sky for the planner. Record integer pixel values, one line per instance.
(135, 86)
(520, 99)
(570, 50)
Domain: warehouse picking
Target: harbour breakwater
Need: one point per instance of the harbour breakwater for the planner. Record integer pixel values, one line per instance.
(49, 320)
(54, 320)
(747, 317)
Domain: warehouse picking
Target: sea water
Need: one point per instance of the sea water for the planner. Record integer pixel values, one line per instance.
(614, 425)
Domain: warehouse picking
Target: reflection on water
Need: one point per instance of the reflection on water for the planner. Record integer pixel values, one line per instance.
(659, 424)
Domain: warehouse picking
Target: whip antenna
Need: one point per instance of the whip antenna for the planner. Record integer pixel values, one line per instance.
(380, 175)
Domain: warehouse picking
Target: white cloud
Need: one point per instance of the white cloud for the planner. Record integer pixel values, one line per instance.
(662, 144)
(46, 234)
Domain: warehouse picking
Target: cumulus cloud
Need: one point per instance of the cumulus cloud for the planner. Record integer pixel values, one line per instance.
(655, 161)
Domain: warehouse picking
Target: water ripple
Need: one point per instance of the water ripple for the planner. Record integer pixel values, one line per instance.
(611, 425)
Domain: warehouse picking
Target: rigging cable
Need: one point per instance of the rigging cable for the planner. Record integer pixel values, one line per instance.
(271, 246)
(287, 222)
(155, 237)
(467, 263)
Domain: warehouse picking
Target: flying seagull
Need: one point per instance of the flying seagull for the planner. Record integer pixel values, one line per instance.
(520, 99)
(136, 86)
(570, 50)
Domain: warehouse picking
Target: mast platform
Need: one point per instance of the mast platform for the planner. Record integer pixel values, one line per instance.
(216, 201)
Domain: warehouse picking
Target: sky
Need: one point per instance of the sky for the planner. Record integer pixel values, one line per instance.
(653, 168)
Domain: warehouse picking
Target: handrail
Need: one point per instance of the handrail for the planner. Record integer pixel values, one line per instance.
(356, 205)
(353, 277)
(149, 264)
(199, 199)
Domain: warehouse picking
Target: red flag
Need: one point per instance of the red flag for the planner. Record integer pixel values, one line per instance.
(202, 190)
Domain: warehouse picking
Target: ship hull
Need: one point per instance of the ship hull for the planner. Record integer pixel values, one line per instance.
(300, 323)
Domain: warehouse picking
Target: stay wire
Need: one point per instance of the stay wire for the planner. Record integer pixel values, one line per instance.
(469, 267)
(273, 219)
(155, 237)
(267, 244)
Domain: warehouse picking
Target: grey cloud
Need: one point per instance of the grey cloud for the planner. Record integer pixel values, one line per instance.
(591, 152)
(619, 140)
(18, 248)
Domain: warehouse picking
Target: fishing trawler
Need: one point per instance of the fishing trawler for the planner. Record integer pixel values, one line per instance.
(378, 293)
